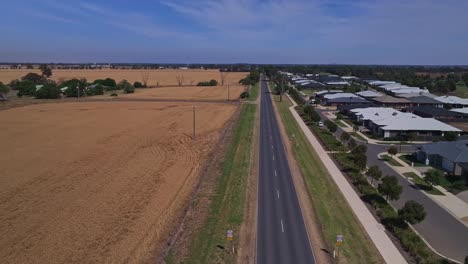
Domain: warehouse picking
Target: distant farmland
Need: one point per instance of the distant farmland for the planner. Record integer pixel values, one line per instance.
(155, 77)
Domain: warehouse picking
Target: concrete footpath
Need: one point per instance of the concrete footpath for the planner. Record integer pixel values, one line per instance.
(373, 228)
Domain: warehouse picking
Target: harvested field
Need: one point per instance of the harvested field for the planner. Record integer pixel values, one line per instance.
(96, 182)
(163, 77)
(188, 93)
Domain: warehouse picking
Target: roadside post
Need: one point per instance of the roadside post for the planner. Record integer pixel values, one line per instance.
(229, 236)
(339, 243)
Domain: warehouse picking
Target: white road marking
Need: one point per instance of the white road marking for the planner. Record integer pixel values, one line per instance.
(277, 192)
(282, 227)
(273, 157)
(275, 173)
(271, 146)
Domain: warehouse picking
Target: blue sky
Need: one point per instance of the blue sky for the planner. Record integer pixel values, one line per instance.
(229, 31)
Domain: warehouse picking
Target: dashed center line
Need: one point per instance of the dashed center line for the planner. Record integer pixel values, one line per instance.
(277, 192)
(273, 157)
(282, 227)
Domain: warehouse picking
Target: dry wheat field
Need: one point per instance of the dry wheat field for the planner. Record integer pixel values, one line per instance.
(99, 182)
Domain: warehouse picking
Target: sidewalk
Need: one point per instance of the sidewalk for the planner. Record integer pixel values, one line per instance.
(373, 228)
(450, 202)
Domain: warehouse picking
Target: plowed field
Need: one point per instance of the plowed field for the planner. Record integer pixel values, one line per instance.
(99, 182)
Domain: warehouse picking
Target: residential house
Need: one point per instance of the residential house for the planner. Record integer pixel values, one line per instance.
(452, 157)
(390, 101)
(453, 101)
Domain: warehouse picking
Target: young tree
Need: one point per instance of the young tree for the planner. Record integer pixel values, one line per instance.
(390, 188)
(361, 161)
(412, 212)
(345, 136)
(392, 150)
(352, 144)
(374, 173)
(355, 128)
(359, 150)
(433, 177)
(45, 70)
(331, 126)
(48, 91)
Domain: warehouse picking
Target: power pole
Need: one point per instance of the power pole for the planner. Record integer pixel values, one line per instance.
(193, 130)
(228, 92)
(78, 89)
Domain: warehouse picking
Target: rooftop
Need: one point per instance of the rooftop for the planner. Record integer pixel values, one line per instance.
(421, 99)
(390, 99)
(456, 151)
(434, 111)
(328, 92)
(369, 94)
(354, 100)
(461, 110)
(452, 100)
(339, 95)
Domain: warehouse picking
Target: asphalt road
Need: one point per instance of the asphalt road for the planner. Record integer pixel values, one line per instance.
(281, 232)
(440, 229)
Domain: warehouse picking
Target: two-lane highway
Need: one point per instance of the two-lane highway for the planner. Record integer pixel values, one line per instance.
(281, 232)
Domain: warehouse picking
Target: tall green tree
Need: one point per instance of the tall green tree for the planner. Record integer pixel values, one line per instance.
(34, 78)
(412, 212)
(390, 188)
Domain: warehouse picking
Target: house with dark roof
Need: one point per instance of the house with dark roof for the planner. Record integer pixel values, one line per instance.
(441, 114)
(452, 156)
(390, 101)
(422, 100)
(345, 109)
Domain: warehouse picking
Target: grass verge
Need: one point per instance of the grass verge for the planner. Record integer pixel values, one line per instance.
(254, 92)
(409, 158)
(356, 135)
(422, 184)
(209, 244)
(334, 214)
(391, 161)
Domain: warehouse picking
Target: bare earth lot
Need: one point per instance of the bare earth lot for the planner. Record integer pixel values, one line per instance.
(163, 77)
(98, 182)
(188, 93)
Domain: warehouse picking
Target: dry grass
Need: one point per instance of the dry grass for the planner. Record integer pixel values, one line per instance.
(163, 77)
(98, 182)
(188, 93)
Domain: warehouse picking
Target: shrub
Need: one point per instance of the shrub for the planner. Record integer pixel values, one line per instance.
(114, 94)
(138, 85)
(35, 78)
(126, 87)
(107, 82)
(209, 83)
(48, 91)
(244, 95)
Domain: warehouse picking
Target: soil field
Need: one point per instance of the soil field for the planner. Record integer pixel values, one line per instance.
(187, 93)
(99, 182)
(155, 77)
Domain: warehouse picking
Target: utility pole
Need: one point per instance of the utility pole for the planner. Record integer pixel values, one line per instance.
(228, 92)
(193, 131)
(78, 89)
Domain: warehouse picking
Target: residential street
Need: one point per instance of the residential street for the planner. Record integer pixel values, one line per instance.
(440, 229)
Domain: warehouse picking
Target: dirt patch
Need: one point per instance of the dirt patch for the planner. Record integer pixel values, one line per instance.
(465, 219)
(155, 77)
(312, 224)
(99, 182)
